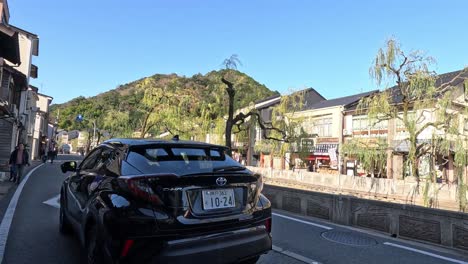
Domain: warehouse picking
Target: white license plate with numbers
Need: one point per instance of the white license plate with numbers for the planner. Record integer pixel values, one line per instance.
(218, 199)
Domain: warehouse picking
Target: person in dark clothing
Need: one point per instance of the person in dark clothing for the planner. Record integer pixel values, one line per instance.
(43, 153)
(18, 159)
(52, 154)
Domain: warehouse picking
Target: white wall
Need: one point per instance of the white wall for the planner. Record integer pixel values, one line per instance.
(43, 103)
(331, 112)
(25, 54)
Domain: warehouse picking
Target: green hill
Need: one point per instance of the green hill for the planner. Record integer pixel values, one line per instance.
(160, 103)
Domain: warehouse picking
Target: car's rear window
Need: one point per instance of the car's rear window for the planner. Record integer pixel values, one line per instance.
(177, 160)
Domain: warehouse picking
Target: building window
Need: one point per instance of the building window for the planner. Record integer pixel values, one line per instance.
(360, 123)
(322, 127)
(380, 125)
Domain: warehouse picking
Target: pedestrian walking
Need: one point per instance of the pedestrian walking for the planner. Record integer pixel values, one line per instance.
(43, 153)
(18, 159)
(52, 152)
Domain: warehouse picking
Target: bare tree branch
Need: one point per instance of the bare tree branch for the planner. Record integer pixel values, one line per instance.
(429, 124)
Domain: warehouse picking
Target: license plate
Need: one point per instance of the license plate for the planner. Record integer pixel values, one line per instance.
(218, 198)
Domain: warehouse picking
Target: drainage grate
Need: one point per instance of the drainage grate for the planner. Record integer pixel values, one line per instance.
(349, 238)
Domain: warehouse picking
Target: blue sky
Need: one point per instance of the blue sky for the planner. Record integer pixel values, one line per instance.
(91, 46)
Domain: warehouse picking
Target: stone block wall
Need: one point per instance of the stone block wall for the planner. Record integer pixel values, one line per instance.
(435, 226)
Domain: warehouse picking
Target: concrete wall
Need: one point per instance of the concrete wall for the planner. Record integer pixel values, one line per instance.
(405, 191)
(412, 222)
(25, 44)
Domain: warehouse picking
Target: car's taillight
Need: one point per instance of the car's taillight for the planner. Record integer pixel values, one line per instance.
(268, 225)
(126, 247)
(140, 188)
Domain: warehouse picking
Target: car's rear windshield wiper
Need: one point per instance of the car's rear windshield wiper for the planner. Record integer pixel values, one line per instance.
(228, 168)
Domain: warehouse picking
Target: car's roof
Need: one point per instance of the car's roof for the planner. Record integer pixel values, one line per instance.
(147, 141)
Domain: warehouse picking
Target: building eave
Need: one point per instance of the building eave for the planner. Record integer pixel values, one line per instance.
(9, 47)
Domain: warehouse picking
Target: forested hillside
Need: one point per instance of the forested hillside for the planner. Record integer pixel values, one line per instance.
(160, 103)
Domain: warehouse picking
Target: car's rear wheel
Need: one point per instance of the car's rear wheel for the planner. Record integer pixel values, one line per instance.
(94, 252)
(64, 224)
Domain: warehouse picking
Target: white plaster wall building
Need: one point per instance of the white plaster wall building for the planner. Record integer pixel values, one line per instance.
(40, 130)
(28, 47)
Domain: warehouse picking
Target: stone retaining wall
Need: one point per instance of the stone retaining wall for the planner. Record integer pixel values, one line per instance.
(413, 222)
(404, 191)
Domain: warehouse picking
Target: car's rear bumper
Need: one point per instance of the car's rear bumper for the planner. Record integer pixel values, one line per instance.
(227, 247)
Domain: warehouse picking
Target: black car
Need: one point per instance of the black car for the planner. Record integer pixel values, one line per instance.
(156, 201)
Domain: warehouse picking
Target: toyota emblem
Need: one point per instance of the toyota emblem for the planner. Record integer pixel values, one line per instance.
(221, 181)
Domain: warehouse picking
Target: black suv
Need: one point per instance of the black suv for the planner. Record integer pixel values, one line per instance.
(155, 201)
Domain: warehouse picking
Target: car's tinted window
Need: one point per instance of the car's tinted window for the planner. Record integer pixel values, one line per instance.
(91, 160)
(104, 160)
(190, 152)
(175, 160)
(215, 153)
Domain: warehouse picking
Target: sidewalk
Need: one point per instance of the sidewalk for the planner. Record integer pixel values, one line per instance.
(6, 185)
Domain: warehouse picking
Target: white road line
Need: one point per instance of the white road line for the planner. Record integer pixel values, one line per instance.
(10, 212)
(54, 201)
(302, 221)
(294, 255)
(278, 249)
(426, 253)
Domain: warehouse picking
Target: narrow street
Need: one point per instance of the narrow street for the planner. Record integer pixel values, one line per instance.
(33, 235)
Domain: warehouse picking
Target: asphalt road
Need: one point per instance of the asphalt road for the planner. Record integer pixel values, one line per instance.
(33, 235)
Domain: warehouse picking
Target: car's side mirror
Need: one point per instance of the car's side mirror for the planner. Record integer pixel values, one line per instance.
(69, 166)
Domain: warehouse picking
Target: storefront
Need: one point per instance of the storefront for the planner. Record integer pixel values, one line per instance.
(324, 157)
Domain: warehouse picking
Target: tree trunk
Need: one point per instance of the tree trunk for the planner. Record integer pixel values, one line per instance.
(413, 157)
(390, 138)
(229, 123)
(144, 127)
(88, 143)
(98, 138)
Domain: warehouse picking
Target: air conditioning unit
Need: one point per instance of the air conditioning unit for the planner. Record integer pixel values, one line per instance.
(346, 132)
(34, 108)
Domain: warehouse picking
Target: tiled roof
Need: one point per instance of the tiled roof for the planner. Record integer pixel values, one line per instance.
(446, 79)
(449, 79)
(267, 102)
(311, 97)
(339, 101)
(267, 98)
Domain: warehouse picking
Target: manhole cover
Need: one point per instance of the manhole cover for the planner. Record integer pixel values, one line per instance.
(349, 238)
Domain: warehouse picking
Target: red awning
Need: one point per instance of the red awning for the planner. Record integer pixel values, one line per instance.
(318, 157)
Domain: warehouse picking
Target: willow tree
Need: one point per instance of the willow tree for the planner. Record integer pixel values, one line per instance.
(117, 123)
(155, 99)
(426, 106)
(372, 155)
(230, 64)
(284, 133)
(166, 106)
(243, 119)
